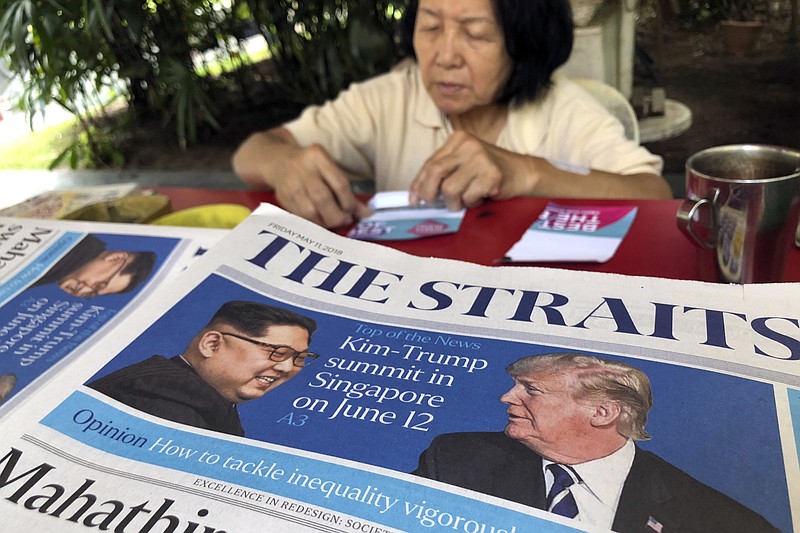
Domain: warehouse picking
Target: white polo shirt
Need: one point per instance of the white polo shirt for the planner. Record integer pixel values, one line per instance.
(387, 127)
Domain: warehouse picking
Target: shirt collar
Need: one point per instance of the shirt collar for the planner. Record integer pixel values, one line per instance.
(605, 477)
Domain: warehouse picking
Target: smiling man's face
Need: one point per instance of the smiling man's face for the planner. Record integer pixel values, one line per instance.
(240, 370)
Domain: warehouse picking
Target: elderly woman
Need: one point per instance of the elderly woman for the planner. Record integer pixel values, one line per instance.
(478, 115)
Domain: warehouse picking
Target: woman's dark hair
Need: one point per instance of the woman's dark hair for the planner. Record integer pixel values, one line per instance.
(538, 35)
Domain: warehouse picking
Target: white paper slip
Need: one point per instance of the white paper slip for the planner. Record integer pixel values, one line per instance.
(384, 200)
(574, 233)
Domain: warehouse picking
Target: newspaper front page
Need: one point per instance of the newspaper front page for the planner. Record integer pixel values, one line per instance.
(64, 283)
(409, 420)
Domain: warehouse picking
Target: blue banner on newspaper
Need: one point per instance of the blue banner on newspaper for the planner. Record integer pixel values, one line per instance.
(39, 265)
(379, 498)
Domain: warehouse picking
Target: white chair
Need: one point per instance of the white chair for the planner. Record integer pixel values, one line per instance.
(614, 102)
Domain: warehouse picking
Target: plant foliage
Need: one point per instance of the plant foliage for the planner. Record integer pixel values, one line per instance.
(705, 11)
(82, 53)
(156, 54)
(321, 46)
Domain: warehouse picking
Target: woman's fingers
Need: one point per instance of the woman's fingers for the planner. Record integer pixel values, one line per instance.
(464, 172)
(317, 189)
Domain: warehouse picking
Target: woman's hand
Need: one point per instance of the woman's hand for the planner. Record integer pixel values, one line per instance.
(307, 181)
(315, 188)
(466, 171)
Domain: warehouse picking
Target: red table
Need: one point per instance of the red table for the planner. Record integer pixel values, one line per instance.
(653, 247)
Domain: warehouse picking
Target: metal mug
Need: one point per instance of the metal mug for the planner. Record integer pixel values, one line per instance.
(743, 204)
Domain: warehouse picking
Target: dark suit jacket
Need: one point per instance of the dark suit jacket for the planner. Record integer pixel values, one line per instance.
(171, 389)
(495, 464)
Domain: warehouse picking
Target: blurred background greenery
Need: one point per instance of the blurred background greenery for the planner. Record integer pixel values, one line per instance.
(177, 70)
(185, 63)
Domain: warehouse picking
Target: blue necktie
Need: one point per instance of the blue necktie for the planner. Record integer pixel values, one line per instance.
(560, 500)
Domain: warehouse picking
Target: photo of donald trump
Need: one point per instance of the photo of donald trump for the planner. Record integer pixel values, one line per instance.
(569, 447)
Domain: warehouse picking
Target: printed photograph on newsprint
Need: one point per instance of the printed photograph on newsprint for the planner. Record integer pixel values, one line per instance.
(257, 396)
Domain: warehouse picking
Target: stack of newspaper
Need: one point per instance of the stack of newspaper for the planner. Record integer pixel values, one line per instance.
(293, 379)
(62, 203)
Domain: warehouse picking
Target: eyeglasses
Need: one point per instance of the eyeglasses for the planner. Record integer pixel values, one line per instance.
(278, 352)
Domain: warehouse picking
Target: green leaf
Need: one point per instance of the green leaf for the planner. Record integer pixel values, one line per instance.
(99, 12)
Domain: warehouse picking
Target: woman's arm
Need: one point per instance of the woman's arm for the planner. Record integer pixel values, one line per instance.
(466, 171)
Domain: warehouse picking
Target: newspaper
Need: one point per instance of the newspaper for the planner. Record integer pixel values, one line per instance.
(47, 311)
(59, 204)
(411, 350)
